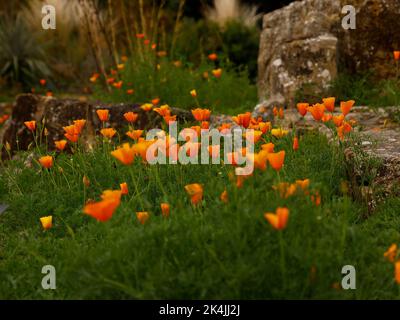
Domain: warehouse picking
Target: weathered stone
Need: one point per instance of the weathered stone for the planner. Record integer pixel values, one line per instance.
(56, 113)
(303, 44)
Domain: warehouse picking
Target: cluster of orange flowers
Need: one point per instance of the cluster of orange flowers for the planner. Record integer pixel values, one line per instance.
(319, 113)
(391, 255)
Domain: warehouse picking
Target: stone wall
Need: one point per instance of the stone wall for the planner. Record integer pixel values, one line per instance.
(304, 44)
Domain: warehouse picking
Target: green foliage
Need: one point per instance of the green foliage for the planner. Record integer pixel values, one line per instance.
(22, 59)
(231, 93)
(214, 251)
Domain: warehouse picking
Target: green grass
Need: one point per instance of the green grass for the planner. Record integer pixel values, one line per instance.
(214, 251)
(230, 94)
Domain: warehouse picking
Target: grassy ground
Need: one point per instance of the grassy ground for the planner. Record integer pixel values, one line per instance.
(215, 250)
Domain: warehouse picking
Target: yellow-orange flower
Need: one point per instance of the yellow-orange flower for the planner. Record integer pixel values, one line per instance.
(338, 120)
(295, 143)
(108, 132)
(60, 144)
(279, 132)
(345, 106)
(327, 117)
(141, 147)
(302, 107)
(130, 116)
(276, 159)
(396, 55)
(193, 93)
(103, 114)
(397, 272)
(31, 125)
(46, 161)
(195, 191)
(224, 196)
(201, 114)
(155, 101)
(285, 189)
(391, 253)
(147, 107)
(47, 222)
(213, 56)
(79, 124)
(142, 216)
(130, 91)
(279, 219)
(217, 73)
(329, 103)
(104, 209)
(168, 118)
(134, 134)
(269, 147)
(42, 82)
(303, 184)
(165, 209)
(243, 119)
(125, 154)
(124, 188)
(317, 111)
(163, 110)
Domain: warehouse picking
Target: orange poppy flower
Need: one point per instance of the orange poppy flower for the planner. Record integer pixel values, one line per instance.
(79, 124)
(163, 110)
(397, 272)
(329, 103)
(105, 208)
(60, 144)
(205, 125)
(46, 161)
(125, 154)
(303, 184)
(212, 56)
(103, 114)
(124, 188)
(108, 132)
(224, 127)
(243, 119)
(260, 159)
(168, 118)
(155, 101)
(295, 144)
(343, 129)
(217, 73)
(72, 132)
(130, 91)
(316, 198)
(224, 196)
(130, 116)
(193, 93)
(142, 216)
(47, 222)
(31, 125)
(147, 107)
(302, 107)
(279, 219)
(285, 189)
(396, 55)
(264, 126)
(327, 117)
(118, 84)
(269, 147)
(195, 191)
(134, 134)
(165, 209)
(49, 94)
(317, 111)
(391, 253)
(338, 120)
(110, 80)
(278, 112)
(42, 82)
(201, 114)
(345, 106)
(141, 147)
(276, 159)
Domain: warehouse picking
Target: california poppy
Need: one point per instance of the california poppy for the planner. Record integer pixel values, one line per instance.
(125, 154)
(193, 93)
(60, 144)
(295, 143)
(279, 132)
(165, 209)
(243, 119)
(108, 132)
(141, 147)
(130, 91)
(146, 107)
(317, 111)
(124, 188)
(163, 110)
(79, 124)
(105, 208)
(212, 56)
(134, 134)
(130, 116)
(269, 147)
(169, 118)
(142, 216)
(329, 103)
(155, 101)
(260, 159)
(103, 114)
(201, 114)
(31, 125)
(396, 55)
(42, 82)
(224, 196)
(391, 253)
(46, 161)
(279, 219)
(285, 189)
(303, 184)
(302, 107)
(217, 73)
(397, 272)
(195, 191)
(47, 222)
(338, 120)
(327, 117)
(118, 84)
(276, 159)
(345, 106)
